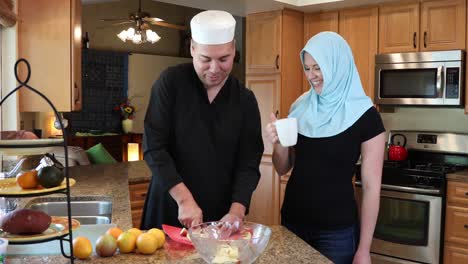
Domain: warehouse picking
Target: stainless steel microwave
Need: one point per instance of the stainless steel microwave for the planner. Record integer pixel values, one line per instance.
(420, 78)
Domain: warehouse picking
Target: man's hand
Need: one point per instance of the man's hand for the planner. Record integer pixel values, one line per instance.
(362, 257)
(234, 217)
(190, 214)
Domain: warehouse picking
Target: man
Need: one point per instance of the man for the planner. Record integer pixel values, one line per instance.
(202, 137)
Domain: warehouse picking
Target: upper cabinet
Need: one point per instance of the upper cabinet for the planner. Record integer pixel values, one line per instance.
(315, 23)
(422, 26)
(359, 28)
(49, 37)
(263, 42)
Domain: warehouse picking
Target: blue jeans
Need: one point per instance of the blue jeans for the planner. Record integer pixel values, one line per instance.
(337, 245)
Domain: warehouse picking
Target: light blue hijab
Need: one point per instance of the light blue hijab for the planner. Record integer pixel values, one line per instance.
(342, 100)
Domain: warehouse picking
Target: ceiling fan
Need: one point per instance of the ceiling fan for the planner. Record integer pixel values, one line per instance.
(141, 32)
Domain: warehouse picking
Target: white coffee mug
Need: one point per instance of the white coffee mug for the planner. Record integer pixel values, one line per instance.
(287, 131)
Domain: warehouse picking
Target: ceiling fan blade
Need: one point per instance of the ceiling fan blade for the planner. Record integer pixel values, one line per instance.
(168, 25)
(122, 23)
(152, 19)
(114, 19)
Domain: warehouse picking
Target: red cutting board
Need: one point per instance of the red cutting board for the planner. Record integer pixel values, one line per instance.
(174, 233)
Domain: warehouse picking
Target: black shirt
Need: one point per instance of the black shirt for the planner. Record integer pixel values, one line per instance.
(319, 193)
(214, 148)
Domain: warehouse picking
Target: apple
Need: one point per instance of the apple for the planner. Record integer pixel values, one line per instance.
(106, 245)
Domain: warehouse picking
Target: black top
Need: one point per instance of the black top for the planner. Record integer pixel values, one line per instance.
(319, 193)
(215, 149)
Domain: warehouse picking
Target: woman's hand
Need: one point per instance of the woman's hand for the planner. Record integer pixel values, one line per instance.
(270, 130)
(362, 257)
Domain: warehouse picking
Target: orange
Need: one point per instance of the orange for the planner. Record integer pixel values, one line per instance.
(147, 243)
(135, 231)
(28, 180)
(159, 234)
(82, 247)
(114, 231)
(126, 242)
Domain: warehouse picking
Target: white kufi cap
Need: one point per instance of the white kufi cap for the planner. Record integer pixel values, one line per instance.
(213, 27)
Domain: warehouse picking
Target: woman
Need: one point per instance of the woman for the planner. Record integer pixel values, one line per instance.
(336, 124)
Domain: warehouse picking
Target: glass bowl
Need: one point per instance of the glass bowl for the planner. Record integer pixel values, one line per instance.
(215, 245)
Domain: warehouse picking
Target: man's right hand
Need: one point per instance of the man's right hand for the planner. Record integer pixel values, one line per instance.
(190, 214)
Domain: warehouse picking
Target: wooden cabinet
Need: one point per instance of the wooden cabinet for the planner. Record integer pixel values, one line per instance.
(138, 192)
(265, 204)
(274, 40)
(422, 26)
(49, 37)
(263, 42)
(359, 28)
(315, 23)
(274, 73)
(456, 223)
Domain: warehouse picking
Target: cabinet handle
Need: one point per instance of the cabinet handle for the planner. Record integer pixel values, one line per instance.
(414, 40)
(425, 39)
(77, 93)
(276, 113)
(466, 193)
(465, 226)
(277, 62)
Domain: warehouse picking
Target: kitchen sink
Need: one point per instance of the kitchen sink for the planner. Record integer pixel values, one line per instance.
(88, 212)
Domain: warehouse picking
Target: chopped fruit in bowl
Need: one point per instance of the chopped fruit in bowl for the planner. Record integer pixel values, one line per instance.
(216, 245)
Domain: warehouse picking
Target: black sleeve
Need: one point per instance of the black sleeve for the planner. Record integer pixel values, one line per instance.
(157, 131)
(371, 124)
(250, 152)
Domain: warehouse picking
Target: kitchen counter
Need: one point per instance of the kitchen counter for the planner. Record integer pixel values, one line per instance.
(112, 180)
(461, 176)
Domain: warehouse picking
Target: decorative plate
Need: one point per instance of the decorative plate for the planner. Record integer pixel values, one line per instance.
(58, 227)
(8, 187)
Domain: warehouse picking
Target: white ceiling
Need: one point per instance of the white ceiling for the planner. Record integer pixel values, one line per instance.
(243, 7)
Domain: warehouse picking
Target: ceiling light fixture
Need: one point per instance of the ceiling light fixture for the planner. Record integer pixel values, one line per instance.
(139, 34)
(306, 2)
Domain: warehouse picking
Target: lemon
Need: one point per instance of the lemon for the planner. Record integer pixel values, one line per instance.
(126, 242)
(159, 234)
(82, 247)
(135, 231)
(147, 243)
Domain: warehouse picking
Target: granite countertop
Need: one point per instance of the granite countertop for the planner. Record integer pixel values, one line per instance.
(112, 181)
(461, 176)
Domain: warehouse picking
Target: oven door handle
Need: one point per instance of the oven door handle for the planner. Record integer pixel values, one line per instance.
(403, 189)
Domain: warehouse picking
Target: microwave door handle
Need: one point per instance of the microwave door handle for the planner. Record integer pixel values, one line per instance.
(439, 80)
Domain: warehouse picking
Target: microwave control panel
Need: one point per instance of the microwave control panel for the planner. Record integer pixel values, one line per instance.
(452, 85)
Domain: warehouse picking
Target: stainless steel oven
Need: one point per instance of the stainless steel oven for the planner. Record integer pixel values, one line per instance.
(411, 217)
(408, 226)
(420, 78)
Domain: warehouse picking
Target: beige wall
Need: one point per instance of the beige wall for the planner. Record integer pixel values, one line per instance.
(429, 119)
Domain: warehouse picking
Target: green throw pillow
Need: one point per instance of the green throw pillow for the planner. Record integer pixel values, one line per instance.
(97, 154)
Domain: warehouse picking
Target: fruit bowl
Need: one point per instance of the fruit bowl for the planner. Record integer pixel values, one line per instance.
(215, 245)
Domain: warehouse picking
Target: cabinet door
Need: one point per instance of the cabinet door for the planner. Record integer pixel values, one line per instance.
(399, 28)
(455, 255)
(456, 225)
(443, 25)
(267, 91)
(359, 28)
(263, 41)
(45, 33)
(76, 84)
(316, 23)
(137, 200)
(264, 206)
